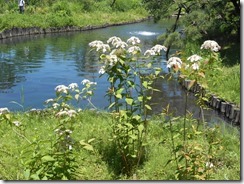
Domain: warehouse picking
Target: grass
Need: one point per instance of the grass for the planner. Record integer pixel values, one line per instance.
(71, 13)
(18, 145)
(228, 86)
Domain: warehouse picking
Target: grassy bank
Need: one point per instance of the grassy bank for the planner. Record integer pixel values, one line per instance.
(70, 13)
(25, 146)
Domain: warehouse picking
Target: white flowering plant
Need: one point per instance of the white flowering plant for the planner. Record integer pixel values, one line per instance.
(196, 158)
(198, 66)
(60, 160)
(65, 94)
(131, 73)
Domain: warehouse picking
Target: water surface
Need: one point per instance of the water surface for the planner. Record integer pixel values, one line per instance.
(32, 66)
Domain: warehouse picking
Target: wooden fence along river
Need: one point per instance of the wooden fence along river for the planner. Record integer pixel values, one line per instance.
(227, 109)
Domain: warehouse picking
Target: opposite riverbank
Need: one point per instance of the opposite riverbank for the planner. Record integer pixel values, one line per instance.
(38, 30)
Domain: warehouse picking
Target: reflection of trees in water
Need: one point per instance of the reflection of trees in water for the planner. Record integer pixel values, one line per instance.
(173, 94)
(8, 77)
(18, 57)
(25, 54)
(89, 65)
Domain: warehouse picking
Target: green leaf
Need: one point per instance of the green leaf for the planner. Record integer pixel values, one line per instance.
(129, 101)
(149, 97)
(140, 98)
(134, 137)
(34, 177)
(137, 117)
(120, 90)
(145, 84)
(90, 140)
(8, 117)
(111, 105)
(176, 135)
(45, 178)
(131, 83)
(169, 161)
(47, 158)
(89, 147)
(157, 72)
(140, 129)
(118, 96)
(86, 145)
(103, 56)
(148, 107)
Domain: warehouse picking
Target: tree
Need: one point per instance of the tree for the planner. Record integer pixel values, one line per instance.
(198, 19)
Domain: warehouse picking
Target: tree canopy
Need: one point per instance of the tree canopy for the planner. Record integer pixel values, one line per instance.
(197, 19)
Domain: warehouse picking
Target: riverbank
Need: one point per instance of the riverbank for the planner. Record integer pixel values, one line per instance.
(62, 16)
(37, 30)
(227, 109)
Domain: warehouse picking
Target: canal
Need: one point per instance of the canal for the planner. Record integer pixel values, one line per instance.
(32, 66)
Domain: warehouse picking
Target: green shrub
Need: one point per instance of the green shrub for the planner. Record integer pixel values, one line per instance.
(125, 5)
(62, 7)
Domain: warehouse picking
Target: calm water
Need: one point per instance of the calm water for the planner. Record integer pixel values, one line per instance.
(31, 67)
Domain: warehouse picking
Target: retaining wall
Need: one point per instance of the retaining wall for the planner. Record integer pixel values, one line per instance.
(227, 109)
(37, 30)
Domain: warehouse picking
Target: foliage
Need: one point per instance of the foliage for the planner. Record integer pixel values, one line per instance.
(221, 80)
(195, 161)
(162, 160)
(102, 163)
(199, 20)
(125, 5)
(63, 13)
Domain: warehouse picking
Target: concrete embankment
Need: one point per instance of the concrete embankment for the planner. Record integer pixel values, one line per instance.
(37, 30)
(227, 109)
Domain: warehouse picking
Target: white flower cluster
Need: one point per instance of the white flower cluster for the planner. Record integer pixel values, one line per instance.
(174, 62)
(53, 103)
(73, 86)
(62, 89)
(212, 45)
(102, 70)
(99, 45)
(95, 43)
(194, 58)
(133, 40)
(114, 39)
(117, 42)
(50, 100)
(69, 113)
(155, 50)
(4, 110)
(111, 60)
(17, 123)
(134, 50)
(86, 81)
(195, 66)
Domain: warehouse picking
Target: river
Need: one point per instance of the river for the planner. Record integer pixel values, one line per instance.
(32, 66)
